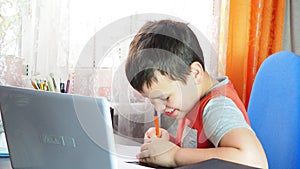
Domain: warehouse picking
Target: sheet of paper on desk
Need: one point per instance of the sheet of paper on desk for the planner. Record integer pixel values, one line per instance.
(126, 152)
(127, 156)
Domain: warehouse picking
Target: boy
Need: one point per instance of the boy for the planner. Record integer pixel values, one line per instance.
(166, 65)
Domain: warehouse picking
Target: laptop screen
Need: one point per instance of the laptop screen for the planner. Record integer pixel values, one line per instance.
(56, 130)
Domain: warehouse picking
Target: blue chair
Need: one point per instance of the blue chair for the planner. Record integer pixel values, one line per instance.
(274, 109)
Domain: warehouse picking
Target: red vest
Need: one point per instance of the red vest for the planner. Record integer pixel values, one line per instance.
(194, 118)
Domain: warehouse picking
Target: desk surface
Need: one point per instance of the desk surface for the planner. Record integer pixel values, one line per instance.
(209, 164)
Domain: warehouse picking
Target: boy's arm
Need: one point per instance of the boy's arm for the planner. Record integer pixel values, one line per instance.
(240, 145)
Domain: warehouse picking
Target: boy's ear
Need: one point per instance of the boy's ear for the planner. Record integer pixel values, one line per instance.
(197, 71)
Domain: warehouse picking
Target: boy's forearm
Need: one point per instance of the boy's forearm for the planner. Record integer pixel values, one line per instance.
(239, 145)
(186, 156)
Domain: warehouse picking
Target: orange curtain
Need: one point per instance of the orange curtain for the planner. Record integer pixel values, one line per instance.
(255, 32)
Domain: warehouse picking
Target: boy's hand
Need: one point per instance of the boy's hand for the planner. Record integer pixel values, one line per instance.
(158, 151)
(150, 133)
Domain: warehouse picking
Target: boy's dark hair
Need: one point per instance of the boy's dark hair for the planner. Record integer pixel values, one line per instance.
(167, 46)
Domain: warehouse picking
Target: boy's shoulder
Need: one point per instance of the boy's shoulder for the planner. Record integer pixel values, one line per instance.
(218, 89)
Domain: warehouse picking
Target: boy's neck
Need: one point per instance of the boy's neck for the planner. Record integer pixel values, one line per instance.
(208, 82)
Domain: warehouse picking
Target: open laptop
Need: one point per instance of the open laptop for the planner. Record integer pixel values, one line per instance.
(48, 130)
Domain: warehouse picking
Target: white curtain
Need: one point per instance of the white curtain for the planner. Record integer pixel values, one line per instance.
(291, 37)
(56, 31)
(45, 38)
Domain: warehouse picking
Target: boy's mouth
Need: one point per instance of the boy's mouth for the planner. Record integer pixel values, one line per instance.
(170, 112)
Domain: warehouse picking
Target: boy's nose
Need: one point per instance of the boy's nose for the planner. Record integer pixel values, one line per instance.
(158, 104)
(159, 107)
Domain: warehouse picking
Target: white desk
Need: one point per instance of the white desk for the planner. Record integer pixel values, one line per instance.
(131, 151)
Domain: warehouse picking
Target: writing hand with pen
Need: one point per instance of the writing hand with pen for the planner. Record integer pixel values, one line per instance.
(158, 150)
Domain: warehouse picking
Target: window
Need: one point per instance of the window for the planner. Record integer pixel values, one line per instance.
(63, 36)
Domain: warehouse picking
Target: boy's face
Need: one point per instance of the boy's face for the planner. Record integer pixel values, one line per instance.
(174, 98)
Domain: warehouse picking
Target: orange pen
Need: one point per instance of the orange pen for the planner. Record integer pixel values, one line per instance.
(156, 124)
(34, 85)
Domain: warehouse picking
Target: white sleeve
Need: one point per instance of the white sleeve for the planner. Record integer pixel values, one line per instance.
(220, 116)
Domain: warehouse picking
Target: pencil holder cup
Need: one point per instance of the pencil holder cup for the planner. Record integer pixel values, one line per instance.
(134, 119)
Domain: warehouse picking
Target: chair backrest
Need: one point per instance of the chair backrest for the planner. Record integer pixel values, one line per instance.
(274, 109)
